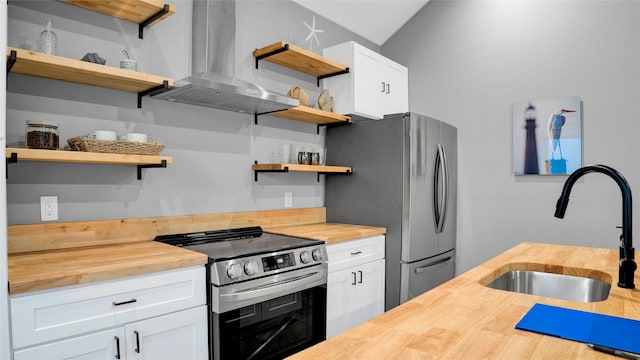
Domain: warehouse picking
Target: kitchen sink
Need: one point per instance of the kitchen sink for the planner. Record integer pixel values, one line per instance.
(559, 286)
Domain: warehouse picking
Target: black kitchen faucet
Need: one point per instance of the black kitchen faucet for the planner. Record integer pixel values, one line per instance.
(626, 263)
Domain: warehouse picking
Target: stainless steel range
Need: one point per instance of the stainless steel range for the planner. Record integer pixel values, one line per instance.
(267, 295)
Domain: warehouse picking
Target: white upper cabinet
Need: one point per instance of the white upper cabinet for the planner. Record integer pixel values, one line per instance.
(374, 86)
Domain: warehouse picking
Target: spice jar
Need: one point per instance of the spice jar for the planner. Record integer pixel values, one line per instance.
(42, 135)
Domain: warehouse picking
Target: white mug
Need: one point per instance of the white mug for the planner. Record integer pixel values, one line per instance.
(135, 137)
(105, 135)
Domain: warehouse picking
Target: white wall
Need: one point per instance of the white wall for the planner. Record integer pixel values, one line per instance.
(213, 150)
(4, 309)
(471, 60)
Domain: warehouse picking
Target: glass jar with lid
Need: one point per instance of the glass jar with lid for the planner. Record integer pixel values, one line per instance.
(42, 134)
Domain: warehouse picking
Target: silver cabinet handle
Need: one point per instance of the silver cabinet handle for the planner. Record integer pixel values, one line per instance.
(117, 339)
(137, 349)
(356, 253)
(360, 273)
(383, 86)
(354, 278)
(388, 88)
(125, 302)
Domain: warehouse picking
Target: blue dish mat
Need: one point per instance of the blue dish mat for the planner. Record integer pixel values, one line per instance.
(611, 331)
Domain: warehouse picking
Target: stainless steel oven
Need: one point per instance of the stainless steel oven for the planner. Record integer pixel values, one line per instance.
(267, 292)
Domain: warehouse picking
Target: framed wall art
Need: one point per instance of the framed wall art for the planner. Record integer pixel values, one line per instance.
(547, 136)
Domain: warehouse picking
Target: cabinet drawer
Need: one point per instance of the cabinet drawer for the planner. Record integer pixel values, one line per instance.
(52, 314)
(355, 252)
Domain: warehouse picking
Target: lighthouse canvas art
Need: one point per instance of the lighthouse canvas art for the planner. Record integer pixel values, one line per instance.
(547, 136)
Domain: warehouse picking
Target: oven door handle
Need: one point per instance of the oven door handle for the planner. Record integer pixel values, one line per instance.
(237, 299)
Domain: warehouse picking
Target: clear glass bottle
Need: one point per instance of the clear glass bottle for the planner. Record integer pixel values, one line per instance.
(48, 39)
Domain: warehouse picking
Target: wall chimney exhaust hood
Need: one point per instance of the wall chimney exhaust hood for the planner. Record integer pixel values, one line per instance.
(213, 83)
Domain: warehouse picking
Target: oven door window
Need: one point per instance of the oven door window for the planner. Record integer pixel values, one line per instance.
(272, 329)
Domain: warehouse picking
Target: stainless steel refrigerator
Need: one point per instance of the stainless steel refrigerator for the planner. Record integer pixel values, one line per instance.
(404, 178)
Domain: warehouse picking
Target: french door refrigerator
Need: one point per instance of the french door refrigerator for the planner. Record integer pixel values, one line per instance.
(404, 178)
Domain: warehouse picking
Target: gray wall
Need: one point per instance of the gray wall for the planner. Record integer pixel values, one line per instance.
(213, 150)
(471, 60)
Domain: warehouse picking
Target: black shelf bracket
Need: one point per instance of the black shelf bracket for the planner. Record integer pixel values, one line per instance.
(156, 16)
(10, 160)
(348, 172)
(13, 57)
(274, 52)
(255, 172)
(345, 71)
(163, 164)
(153, 91)
(330, 125)
(255, 116)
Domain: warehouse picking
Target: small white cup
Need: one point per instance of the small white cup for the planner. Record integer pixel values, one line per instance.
(136, 137)
(129, 64)
(105, 135)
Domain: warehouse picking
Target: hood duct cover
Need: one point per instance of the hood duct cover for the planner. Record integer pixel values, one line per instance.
(212, 83)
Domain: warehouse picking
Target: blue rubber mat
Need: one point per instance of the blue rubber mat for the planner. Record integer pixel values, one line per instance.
(611, 331)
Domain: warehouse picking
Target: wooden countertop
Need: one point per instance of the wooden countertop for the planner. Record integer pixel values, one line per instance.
(463, 319)
(330, 233)
(53, 268)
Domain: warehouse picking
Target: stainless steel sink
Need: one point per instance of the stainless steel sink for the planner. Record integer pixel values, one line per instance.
(559, 286)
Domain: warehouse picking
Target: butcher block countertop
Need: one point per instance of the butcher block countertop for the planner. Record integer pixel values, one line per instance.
(53, 268)
(463, 319)
(45, 256)
(330, 233)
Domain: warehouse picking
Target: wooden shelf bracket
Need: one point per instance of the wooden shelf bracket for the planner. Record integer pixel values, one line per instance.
(154, 17)
(153, 91)
(163, 164)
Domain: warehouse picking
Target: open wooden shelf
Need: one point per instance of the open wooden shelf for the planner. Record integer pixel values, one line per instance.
(299, 59)
(312, 115)
(142, 12)
(63, 156)
(43, 65)
(39, 64)
(320, 169)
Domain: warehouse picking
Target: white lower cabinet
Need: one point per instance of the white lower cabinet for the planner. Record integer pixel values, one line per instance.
(157, 316)
(355, 284)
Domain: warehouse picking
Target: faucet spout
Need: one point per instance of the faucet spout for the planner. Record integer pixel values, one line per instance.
(627, 264)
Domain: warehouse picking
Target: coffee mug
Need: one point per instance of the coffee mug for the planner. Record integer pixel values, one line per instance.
(135, 137)
(303, 158)
(105, 135)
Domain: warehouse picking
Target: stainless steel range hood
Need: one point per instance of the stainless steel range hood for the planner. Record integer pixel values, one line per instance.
(213, 83)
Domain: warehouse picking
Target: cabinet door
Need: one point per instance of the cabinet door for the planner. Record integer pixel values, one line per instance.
(339, 295)
(180, 335)
(369, 86)
(102, 345)
(368, 294)
(396, 99)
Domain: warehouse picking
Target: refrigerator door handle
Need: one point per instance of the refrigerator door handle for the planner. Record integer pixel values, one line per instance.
(429, 266)
(445, 187)
(440, 188)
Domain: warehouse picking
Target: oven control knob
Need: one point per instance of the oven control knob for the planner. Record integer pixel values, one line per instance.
(251, 268)
(317, 255)
(305, 257)
(234, 271)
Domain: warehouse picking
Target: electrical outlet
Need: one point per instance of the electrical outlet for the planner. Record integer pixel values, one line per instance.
(288, 199)
(48, 208)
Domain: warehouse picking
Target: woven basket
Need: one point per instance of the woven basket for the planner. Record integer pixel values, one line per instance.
(115, 146)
